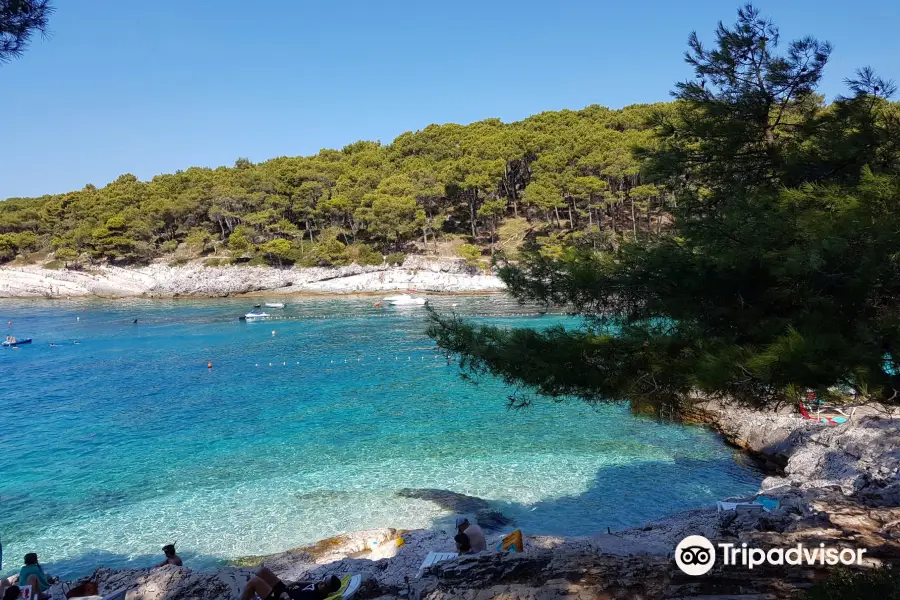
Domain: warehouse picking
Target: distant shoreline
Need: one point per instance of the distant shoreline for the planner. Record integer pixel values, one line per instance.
(416, 275)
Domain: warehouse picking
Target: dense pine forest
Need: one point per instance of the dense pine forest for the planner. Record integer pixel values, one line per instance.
(568, 176)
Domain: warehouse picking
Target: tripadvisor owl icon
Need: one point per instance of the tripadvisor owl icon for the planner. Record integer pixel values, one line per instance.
(695, 555)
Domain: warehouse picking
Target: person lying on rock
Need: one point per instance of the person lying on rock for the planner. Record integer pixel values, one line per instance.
(33, 574)
(171, 557)
(475, 534)
(267, 586)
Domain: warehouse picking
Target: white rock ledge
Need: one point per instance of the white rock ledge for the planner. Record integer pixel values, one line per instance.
(163, 281)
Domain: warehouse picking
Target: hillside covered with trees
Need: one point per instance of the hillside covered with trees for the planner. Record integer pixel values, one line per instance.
(556, 174)
(780, 273)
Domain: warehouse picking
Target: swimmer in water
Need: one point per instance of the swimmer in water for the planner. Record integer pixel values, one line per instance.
(75, 342)
(134, 322)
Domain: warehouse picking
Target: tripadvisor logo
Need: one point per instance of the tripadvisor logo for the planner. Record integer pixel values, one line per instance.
(696, 555)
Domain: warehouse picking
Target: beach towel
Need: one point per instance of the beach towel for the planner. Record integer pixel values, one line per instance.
(512, 543)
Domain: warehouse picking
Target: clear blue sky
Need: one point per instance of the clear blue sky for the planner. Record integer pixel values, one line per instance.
(152, 86)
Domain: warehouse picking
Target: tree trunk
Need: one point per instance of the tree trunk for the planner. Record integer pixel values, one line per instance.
(474, 198)
(515, 208)
(556, 212)
(633, 220)
(571, 220)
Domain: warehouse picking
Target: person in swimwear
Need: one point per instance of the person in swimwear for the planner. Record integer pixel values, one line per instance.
(267, 586)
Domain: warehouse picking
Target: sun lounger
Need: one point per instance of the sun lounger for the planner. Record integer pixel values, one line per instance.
(434, 558)
(349, 586)
(352, 587)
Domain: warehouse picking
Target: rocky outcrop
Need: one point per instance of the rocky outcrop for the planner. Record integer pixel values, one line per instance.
(860, 457)
(195, 280)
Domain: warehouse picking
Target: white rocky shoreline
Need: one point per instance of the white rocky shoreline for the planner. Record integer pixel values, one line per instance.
(838, 485)
(195, 280)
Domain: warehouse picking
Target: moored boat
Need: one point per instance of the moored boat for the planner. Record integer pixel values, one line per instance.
(406, 300)
(255, 316)
(274, 304)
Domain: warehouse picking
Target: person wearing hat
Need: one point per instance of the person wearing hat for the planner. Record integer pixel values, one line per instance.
(171, 557)
(474, 533)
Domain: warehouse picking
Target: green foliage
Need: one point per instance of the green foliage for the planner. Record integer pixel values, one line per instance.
(237, 241)
(66, 254)
(331, 252)
(877, 584)
(781, 273)
(169, 246)
(395, 258)
(197, 240)
(278, 251)
(218, 262)
(469, 252)
(54, 265)
(363, 255)
(444, 179)
(19, 21)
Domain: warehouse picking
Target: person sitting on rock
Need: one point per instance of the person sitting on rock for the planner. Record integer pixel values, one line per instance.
(33, 574)
(267, 586)
(475, 534)
(171, 557)
(463, 545)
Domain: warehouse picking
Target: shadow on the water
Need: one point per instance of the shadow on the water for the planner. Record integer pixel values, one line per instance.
(647, 490)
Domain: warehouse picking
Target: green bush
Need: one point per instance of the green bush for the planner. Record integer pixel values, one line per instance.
(217, 262)
(331, 252)
(55, 265)
(877, 584)
(395, 258)
(181, 260)
(362, 254)
(66, 254)
(238, 241)
(469, 252)
(169, 246)
(257, 261)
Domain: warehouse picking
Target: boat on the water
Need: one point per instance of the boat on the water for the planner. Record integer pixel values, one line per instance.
(255, 316)
(274, 304)
(406, 300)
(17, 342)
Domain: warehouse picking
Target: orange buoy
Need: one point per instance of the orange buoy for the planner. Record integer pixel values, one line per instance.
(209, 365)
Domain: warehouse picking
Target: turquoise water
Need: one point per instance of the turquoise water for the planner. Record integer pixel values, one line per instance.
(126, 441)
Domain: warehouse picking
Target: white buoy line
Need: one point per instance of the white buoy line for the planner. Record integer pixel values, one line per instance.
(360, 360)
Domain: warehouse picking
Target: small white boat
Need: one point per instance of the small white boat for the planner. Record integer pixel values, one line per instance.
(254, 315)
(406, 300)
(274, 304)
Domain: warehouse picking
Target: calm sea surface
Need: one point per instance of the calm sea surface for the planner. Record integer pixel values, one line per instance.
(123, 442)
